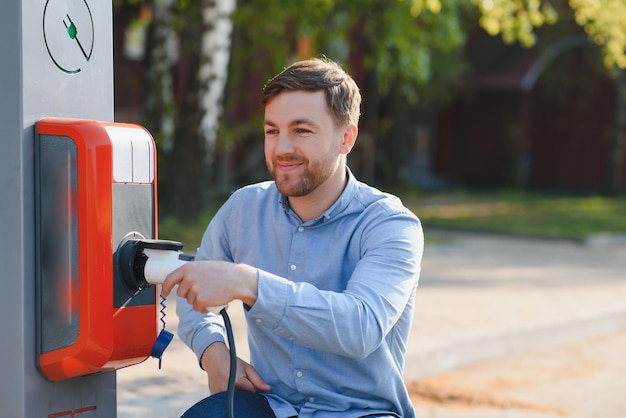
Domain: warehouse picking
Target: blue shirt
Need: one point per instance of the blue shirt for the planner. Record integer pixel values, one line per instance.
(329, 328)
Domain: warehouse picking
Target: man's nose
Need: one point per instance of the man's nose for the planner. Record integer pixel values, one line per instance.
(284, 144)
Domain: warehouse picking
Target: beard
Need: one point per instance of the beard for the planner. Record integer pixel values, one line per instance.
(310, 177)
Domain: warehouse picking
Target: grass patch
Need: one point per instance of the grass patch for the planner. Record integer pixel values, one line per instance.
(527, 214)
(190, 234)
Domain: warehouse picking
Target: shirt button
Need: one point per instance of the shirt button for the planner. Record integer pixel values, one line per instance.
(258, 320)
(298, 373)
(311, 399)
(292, 267)
(300, 228)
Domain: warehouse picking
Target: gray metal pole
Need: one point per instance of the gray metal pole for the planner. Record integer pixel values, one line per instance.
(57, 60)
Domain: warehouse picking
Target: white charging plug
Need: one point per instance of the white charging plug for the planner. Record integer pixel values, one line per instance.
(160, 263)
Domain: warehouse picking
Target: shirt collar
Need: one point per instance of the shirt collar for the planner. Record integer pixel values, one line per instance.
(336, 208)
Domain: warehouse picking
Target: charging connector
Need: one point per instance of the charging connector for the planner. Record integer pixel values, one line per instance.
(131, 260)
(143, 262)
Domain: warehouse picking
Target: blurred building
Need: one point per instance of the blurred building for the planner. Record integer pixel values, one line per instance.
(537, 118)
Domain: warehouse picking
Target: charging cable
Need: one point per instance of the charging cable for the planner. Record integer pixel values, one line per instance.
(230, 394)
(144, 262)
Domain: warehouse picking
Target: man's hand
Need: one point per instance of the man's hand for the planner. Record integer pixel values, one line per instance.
(208, 284)
(216, 362)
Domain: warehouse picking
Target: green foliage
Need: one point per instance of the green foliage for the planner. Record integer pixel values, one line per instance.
(401, 37)
(406, 37)
(605, 22)
(515, 20)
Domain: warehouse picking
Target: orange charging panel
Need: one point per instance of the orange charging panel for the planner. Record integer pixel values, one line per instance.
(95, 185)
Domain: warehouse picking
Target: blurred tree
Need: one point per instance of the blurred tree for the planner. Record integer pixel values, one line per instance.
(186, 61)
(400, 52)
(204, 33)
(408, 50)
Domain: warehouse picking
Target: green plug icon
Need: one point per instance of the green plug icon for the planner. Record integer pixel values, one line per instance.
(72, 31)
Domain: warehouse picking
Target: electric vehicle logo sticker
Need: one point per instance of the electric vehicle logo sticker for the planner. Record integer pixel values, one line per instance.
(68, 33)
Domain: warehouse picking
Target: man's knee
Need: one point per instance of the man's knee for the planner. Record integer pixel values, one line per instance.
(246, 404)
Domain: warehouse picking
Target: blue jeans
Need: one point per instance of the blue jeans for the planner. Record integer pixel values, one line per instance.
(246, 405)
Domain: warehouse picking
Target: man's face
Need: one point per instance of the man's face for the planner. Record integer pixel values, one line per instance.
(302, 143)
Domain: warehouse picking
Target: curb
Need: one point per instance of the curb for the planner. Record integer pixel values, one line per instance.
(605, 239)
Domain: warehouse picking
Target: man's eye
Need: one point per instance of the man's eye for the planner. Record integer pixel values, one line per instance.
(271, 131)
(303, 131)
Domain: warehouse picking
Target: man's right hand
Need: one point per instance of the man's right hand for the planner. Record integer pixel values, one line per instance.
(216, 362)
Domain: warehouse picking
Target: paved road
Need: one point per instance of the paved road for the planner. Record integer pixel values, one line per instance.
(485, 296)
(585, 379)
(481, 299)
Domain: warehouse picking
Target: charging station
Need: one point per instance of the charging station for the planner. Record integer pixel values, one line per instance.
(74, 186)
(95, 187)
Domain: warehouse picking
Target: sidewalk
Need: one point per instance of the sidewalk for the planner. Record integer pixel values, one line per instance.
(480, 297)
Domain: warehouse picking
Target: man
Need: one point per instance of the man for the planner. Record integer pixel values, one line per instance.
(326, 267)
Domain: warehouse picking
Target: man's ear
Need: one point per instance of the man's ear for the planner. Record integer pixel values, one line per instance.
(349, 138)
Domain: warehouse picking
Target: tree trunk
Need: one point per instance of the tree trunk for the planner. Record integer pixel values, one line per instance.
(202, 74)
(364, 162)
(161, 54)
(215, 55)
(182, 170)
(394, 144)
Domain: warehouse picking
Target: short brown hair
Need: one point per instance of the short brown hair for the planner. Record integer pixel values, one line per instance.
(342, 93)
